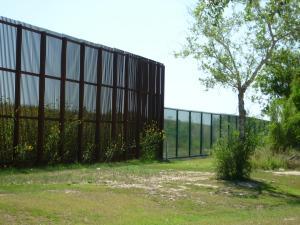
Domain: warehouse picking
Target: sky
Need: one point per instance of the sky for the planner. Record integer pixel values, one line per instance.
(154, 29)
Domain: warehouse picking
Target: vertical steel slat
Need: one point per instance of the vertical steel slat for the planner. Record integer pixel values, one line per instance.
(62, 96)
(41, 115)
(162, 106)
(157, 94)
(138, 125)
(17, 91)
(125, 116)
(98, 106)
(153, 91)
(150, 106)
(147, 105)
(81, 99)
(114, 96)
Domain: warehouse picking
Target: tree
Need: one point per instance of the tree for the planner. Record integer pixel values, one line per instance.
(278, 75)
(233, 40)
(280, 80)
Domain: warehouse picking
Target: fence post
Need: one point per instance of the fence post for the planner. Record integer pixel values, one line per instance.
(211, 130)
(138, 125)
(17, 91)
(151, 91)
(190, 132)
(81, 99)
(62, 96)
(98, 105)
(176, 133)
(201, 134)
(41, 115)
(114, 96)
(125, 118)
(162, 102)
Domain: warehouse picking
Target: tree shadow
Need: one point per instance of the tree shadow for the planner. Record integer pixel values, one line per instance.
(254, 189)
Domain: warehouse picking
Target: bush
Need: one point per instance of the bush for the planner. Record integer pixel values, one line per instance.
(232, 157)
(115, 149)
(51, 145)
(292, 127)
(150, 141)
(6, 141)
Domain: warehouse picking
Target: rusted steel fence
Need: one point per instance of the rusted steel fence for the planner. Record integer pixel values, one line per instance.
(63, 99)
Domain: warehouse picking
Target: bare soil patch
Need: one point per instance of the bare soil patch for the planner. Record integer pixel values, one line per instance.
(293, 172)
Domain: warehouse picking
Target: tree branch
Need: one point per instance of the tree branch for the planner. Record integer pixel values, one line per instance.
(265, 59)
(222, 42)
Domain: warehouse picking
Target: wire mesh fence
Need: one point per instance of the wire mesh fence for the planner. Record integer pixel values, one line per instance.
(190, 133)
(64, 99)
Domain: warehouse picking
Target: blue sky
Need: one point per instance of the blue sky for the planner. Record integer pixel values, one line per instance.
(153, 29)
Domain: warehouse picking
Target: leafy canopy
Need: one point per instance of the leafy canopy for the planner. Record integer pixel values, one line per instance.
(233, 40)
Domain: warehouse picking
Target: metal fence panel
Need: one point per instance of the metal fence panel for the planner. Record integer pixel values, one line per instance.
(7, 93)
(89, 93)
(195, 133)
(170, 130)
(183, 134)
(190, 133)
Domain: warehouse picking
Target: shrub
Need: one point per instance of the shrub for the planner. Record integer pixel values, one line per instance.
(292, 128)
(69, 139)
(232, 157)
(150, 141)
(88, 152)
(285, 121)
(51, 145)
(6, 141)
(115, 149)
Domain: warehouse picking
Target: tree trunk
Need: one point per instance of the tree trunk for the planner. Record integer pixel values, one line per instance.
(242, 114)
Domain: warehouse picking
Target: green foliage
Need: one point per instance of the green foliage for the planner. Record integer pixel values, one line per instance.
(278, 77)
(26, 149)
(265, 158)
(115, 149)
(292, 129)
(69, 140)
(6, 141)
(232, 156)
(280, 72)
(295, 96)
(235, 59)
(51, 145)
(88, 152)
(24, 152)
(285, 121)
(151, 139)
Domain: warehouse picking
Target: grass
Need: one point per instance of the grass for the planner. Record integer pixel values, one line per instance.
(179, 192)
(265, 158)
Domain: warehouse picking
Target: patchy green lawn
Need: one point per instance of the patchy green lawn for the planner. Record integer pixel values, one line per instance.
(179, 192)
